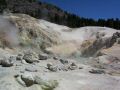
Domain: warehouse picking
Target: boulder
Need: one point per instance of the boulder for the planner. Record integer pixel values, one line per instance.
(38, 80)
(28, 79)
(49, 65)
(52, 68)
(12, 58)
(6, 62)
(80, 67)
(46, 84)
(50, 85)
(30, 57)
(62, 67)
(23, 62)
(43, 56)
(20, 81)
(19, 57)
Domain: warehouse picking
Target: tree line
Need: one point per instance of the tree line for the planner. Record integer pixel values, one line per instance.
(52, 13)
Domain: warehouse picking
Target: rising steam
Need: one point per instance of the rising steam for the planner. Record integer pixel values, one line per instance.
(8, 33)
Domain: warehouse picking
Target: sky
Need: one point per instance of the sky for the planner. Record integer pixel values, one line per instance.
(90, 8)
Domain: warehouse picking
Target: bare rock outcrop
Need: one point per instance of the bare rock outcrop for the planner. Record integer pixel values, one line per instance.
(30, 33)
(93, 47)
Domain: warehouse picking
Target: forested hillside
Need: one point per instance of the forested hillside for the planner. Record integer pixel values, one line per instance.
(52, 13)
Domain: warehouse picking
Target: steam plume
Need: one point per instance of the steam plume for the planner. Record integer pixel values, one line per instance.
(8, 33)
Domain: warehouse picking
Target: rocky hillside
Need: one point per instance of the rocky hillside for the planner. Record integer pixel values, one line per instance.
(27, 32)
(39, 55)
(53, 38)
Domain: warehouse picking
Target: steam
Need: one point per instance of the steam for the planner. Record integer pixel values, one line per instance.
(8, 32)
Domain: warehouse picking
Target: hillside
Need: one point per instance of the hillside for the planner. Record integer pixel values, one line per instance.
(40, 55)
(41, 10)
(54, 14)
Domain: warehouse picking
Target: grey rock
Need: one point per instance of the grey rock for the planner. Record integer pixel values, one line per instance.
(49, 65)
(31, 69)
(20, 81)
(98, 44)
(28, 79)
(61, 67)
(46, 84)
(73, 66)
(12, 58)
(64, 68)
(43, 56)
(107, 59)
(97, 71)
(80, 67)
(52, 68)
(55, 58)
(23, 62)
(50, 85)
(38, 80)
(63, 61)
(5, 62)
(30, 57)
(19, 57)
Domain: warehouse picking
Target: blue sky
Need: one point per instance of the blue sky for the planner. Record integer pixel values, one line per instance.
(90, 8)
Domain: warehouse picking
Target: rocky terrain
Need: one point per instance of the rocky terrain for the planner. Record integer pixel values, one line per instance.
(38, 55)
